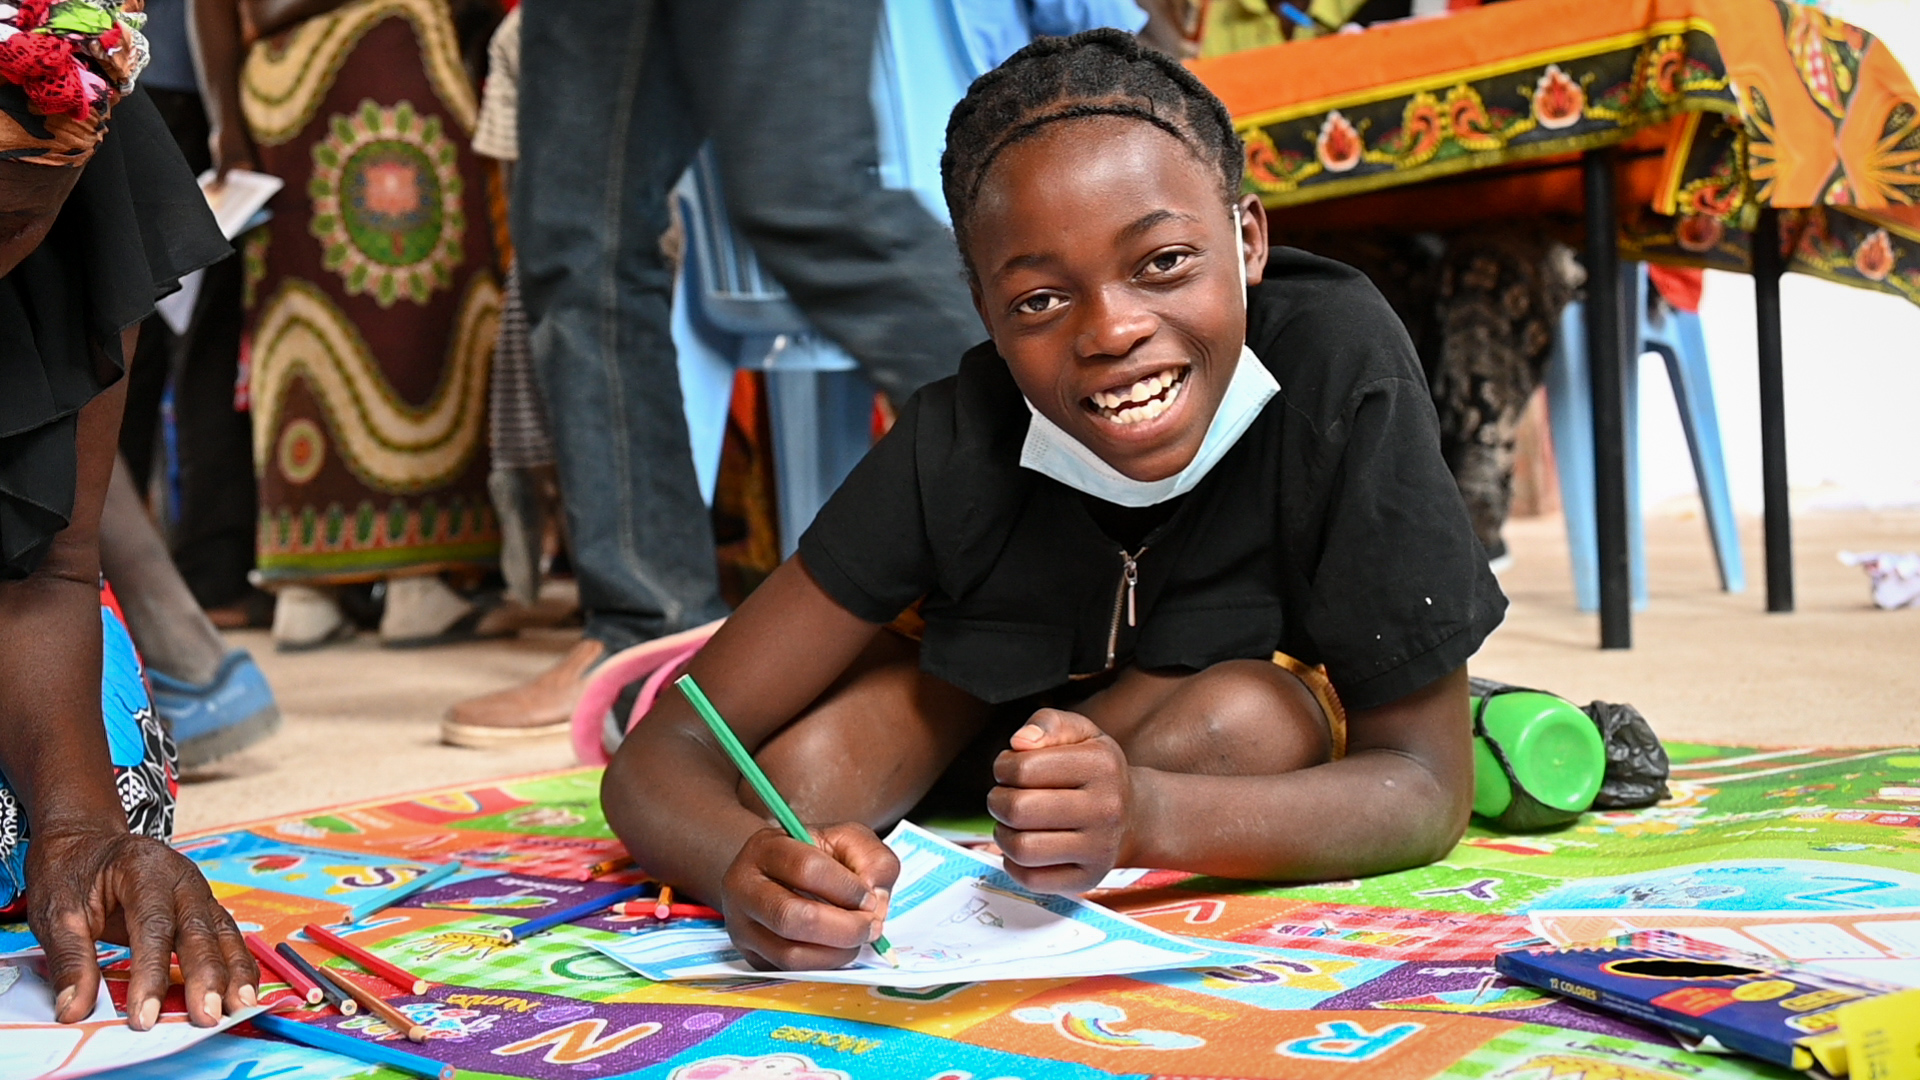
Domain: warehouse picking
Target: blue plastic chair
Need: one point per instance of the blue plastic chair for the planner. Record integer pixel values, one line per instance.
(1676, 336)
(729, 313)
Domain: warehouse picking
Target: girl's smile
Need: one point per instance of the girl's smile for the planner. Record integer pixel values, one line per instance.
(1107, 268)
(1141, 401)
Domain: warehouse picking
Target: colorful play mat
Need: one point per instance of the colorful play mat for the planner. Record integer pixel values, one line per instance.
(1813, 853)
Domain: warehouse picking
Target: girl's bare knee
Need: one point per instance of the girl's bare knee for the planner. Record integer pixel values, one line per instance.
(1239, 718)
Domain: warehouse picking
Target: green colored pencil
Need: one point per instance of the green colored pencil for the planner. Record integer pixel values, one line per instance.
(761, 785)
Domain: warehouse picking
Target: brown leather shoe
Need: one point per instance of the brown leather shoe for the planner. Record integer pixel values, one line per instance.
(540, 709)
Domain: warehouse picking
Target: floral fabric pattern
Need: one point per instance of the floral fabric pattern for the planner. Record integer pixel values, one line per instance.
(1759, 103)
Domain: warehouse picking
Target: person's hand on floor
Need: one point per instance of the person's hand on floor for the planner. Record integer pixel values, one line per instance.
(795, 906)
(1063, 799)
(92, 883)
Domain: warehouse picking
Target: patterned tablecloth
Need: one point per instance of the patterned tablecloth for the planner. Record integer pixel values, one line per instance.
(1724, 106)
(1385, 978)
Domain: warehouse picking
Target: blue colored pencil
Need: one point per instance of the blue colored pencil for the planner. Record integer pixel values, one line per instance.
(347, 1046)
(400, 892)
(578, 911)
(330, 993)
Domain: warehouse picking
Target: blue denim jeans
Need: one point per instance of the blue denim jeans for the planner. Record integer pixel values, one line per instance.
(615, 99)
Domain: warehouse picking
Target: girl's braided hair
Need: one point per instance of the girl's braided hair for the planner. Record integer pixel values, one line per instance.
(1094, 73)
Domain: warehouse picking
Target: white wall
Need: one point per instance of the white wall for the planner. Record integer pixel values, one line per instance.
(1852, 371)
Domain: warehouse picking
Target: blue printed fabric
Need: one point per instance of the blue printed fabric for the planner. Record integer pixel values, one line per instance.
(143, 762)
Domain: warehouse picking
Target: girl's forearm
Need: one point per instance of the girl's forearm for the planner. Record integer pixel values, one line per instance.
(670, 793)
(1400, 798)
(673, 802)
(1369, 813)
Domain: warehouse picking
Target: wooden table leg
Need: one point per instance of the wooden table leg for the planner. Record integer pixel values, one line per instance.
(1605, 350)
(1767, 268)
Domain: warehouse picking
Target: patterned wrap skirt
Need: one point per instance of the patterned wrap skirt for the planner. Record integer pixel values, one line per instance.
(372, 304)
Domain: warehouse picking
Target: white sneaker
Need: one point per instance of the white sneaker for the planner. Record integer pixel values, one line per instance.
(422, 610)
(305, 617)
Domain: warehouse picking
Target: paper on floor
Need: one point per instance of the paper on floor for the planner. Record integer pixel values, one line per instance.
(956, 917)
(39, 1048)
(1895, 577)
(1880, 945)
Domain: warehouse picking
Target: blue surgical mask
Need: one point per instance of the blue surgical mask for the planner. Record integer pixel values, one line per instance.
(1051, 451)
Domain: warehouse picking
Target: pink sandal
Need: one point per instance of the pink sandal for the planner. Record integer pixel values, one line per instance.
(659, 662)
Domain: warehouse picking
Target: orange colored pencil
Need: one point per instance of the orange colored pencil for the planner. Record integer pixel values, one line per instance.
(608, 866)
(384, 969)
(378, 1006)
(663, 907)
(271, 963)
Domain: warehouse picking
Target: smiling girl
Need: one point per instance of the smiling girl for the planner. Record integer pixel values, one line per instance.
(1174, 557)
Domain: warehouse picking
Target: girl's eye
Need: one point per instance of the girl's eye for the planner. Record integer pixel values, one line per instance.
(1166, 262)
(1037, 304)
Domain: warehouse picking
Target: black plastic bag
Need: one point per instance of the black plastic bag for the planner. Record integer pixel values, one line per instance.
(1636, 762)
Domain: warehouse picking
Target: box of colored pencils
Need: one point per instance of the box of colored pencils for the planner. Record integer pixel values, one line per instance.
(1719, 998)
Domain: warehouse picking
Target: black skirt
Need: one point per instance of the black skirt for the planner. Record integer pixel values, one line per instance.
(135, 224)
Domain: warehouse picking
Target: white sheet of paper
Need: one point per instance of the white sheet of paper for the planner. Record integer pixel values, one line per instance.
(177, 307)
(1901, 938)
(36, 1047)
(1879, 945)
(1814, 941)
(242, 195)
(956, 916)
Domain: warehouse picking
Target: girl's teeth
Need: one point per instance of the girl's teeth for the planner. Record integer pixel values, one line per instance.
(1142, 413)
(1142, 401)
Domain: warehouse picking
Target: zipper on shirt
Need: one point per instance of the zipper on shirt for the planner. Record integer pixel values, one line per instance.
(1123, 601)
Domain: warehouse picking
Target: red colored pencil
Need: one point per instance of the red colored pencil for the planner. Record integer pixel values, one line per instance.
(270, 961)
(648, 909)
(385, 969)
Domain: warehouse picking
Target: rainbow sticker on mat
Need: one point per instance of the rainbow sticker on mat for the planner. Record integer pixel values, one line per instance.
(1096, 1023)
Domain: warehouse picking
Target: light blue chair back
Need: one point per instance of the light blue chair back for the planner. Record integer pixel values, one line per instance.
(1676, 336)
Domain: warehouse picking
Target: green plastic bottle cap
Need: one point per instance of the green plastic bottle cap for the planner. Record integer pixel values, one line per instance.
(1556, 752)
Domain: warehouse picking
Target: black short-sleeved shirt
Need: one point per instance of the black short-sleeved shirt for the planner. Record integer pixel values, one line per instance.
(1332, 530)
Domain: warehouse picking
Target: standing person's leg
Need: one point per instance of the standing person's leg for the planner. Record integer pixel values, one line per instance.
(214, 532)
(605, 131)
(784, 85)
(214, 700)
(159, 347)
(146, 390)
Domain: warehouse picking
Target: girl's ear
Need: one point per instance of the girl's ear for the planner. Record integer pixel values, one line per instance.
(1253, 237)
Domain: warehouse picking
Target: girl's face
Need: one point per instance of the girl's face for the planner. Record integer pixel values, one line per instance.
(1107, 270)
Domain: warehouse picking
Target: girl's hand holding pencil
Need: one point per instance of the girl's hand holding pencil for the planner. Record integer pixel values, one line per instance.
(791, 905)
(797, 897)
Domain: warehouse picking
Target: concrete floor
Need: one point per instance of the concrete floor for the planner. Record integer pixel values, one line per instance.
(363, 722)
